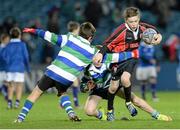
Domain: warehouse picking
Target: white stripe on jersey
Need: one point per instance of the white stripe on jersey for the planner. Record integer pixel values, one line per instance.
(62, 72)
(74, 59)
(64, 40)
(82, 45)
(115, 57)
(47, 36)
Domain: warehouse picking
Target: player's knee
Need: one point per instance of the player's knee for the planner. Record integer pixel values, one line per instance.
(89, 111)
(114, 86)
(112, 90)
(153, 80)
(125, 81)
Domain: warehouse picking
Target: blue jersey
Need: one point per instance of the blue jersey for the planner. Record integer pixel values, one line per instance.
(16, 56)
(2, 62)
(146, 53)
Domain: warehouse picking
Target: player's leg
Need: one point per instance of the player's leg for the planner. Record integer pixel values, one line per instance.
(114, 84)
(11, 87)
(43, 84)
(128, 70)
(75, 91)
(147, 108)
(19, 90)
(143, 84)
(153, 82)
(143, 105)
(126, 83)
(142, 77)
(19, 83)
(3, 85)
(64, 101)
(91, 107)
(35, 94)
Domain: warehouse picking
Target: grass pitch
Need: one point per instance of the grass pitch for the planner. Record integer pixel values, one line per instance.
(47, 114)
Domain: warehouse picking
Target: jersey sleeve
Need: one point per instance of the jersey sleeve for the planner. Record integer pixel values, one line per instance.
(117, 57)
(59, 40)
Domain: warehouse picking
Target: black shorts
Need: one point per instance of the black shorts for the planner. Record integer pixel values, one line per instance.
(118, 69)
(102, 92)
(46, 82)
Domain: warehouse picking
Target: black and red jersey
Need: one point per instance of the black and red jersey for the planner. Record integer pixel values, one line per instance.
(123, 39)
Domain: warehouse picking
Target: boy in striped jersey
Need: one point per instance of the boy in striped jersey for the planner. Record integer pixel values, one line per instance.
(76, 53)
(98, 81)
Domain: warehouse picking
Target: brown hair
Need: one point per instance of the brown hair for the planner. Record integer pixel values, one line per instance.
(15, 32)
(87, 30)
(72, 25)
(131, 12)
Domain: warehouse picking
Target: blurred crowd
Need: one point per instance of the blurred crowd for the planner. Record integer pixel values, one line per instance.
(101, 13)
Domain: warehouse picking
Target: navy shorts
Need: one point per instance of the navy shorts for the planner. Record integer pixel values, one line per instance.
(46, 82)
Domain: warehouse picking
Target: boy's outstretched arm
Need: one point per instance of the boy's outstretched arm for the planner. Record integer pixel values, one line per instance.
(53, 38)
(119, 57)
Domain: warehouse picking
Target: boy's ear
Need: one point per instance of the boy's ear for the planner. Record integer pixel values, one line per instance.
(90, 38)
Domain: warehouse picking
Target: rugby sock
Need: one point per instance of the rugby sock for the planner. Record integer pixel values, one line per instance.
(25, 110)
(110, 101)
(17, 103)
(127, 92)
(66, 104)
(75, 95)
(143, 89)
(155, 114)
(99, 115)
(153, 88)
(9, 103)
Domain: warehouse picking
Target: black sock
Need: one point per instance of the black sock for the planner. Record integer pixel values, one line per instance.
(110, 100)
(127, 92)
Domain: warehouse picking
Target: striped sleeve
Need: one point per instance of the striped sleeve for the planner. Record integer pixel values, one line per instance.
(59, 40)
(117, 57)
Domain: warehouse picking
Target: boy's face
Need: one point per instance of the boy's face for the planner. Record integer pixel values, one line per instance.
(133, 22)
(6, 40)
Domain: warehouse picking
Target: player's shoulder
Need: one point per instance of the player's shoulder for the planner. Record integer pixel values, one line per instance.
(122, 26)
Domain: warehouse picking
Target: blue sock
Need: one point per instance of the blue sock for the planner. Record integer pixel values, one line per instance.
(25, 110)
(75, 95)
(143, 90)
(17, 103)
(66, 104)
(99, 116)
(153, 88)
(9, 103)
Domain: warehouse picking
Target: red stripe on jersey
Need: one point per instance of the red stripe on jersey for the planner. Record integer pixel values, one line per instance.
(118, 44)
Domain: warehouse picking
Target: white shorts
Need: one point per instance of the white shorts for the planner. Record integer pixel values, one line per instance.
(15, 77)
(2, 77)
(144, 73)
